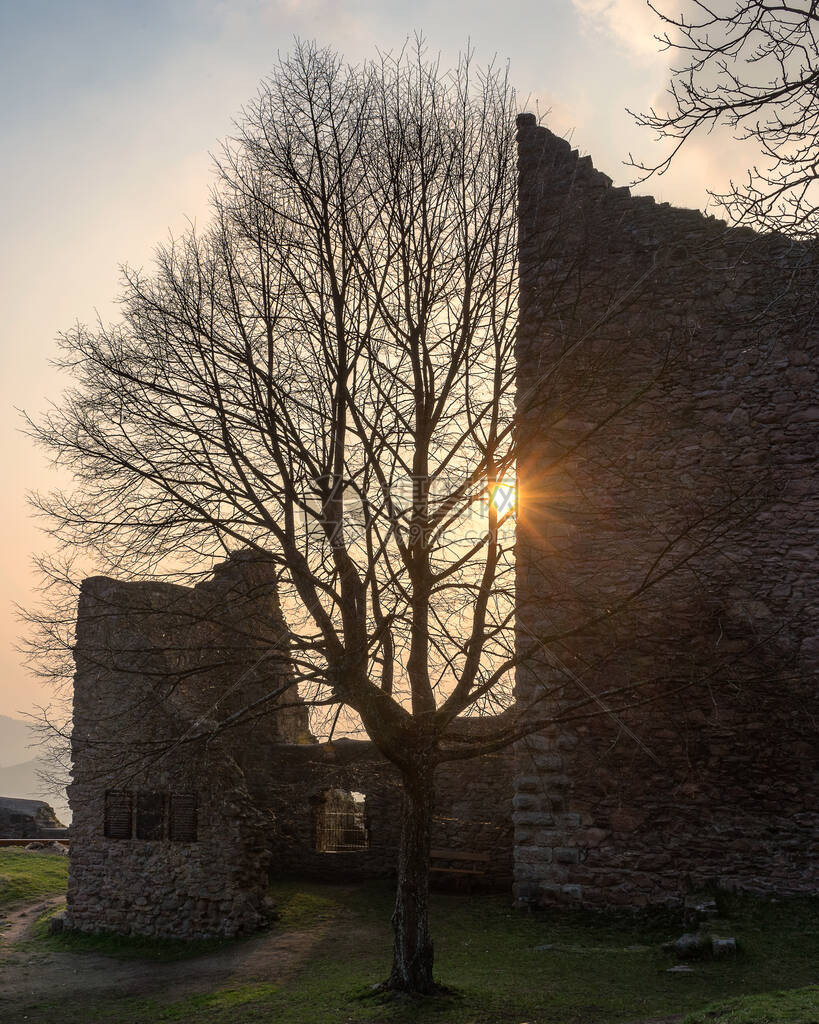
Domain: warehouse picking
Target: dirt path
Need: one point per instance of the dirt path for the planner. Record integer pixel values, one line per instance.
(17, 924)
(48, 976)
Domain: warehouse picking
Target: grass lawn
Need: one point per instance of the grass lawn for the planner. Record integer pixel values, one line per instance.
(598, 969)
(593, 970)
(27, 875)
(796, 1006)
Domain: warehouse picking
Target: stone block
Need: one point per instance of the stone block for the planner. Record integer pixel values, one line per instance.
(527, 802)
(548, 761)
(529, 872)
(549, 837)
(533, 855)
(532, 818)
(549, 893)
(626, 819)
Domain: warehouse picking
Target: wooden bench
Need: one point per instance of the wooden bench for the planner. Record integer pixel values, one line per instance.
(465, 865)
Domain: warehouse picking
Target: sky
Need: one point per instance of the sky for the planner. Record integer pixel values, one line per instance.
(111, 108)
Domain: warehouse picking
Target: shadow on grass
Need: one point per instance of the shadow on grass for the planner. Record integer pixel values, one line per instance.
(797, 1006)
(501, 966)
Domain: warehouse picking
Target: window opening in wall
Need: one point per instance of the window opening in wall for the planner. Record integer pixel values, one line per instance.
(118, 814)
(182, 824)
(150, 817)
(144, 814)
(341, 822)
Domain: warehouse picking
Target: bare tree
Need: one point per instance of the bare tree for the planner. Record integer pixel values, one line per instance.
(327, 373)
(753, 67)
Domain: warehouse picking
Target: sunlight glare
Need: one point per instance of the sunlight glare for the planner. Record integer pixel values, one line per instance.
(503, 498)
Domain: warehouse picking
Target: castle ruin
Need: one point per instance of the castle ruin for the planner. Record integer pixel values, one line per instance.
(668, 405)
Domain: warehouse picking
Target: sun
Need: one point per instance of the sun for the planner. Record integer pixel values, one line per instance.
(503, 498)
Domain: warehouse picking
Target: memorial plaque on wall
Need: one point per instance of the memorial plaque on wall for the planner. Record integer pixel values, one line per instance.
(150, 815)
(183, 817)
(118, 808)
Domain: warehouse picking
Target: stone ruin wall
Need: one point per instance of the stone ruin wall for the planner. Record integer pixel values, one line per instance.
(152, 661)
(700, 342)
(156, 664)
(472, 810)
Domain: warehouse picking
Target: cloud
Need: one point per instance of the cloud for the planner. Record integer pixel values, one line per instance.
(631, 23)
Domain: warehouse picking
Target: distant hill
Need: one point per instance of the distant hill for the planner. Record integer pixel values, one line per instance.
(16, 737)
(22, 782)
(19, 765)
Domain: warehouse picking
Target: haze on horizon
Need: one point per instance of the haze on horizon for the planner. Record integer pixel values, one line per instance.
(110, 113)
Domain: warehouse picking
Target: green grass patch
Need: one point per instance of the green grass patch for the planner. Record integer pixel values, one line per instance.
(299, 908)
(500, 966)
(505, 967)
(797, 1006)
(235, 1003)
(566, 967)
(223, 1003)
(27, 875)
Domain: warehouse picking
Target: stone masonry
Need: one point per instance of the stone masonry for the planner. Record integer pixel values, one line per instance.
(667, 545)
(158, 666)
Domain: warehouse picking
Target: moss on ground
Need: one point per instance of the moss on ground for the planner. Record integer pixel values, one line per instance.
(300, 907)
(224, 1003)
(28, 875)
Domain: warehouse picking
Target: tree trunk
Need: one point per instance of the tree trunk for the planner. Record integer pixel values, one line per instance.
(412, 949)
